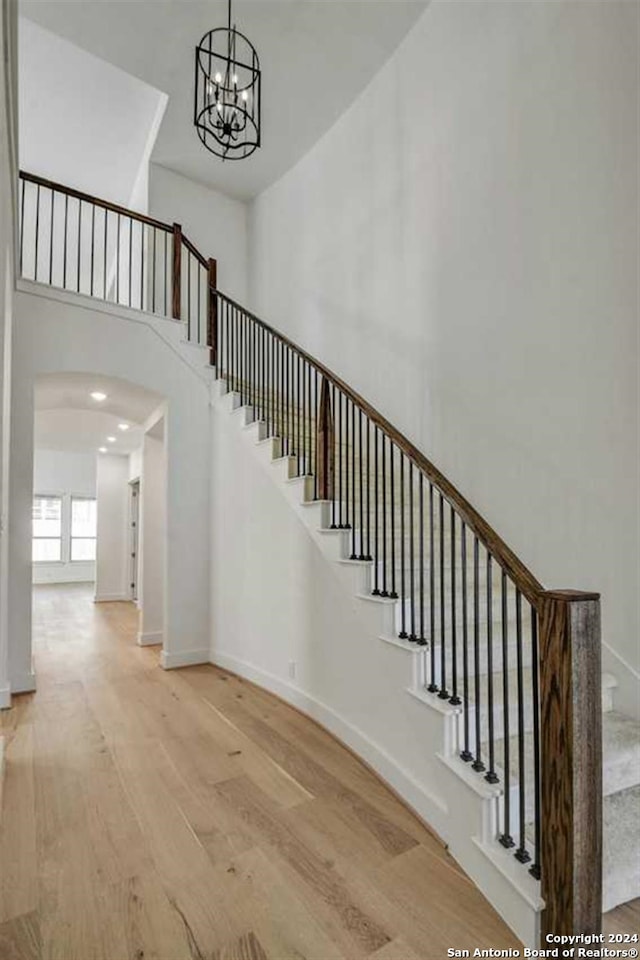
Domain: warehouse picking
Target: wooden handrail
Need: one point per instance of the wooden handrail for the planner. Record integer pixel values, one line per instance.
(520, 575)
(96, 201)
(194, 250)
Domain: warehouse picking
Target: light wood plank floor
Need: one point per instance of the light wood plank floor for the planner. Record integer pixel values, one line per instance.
(188, 815)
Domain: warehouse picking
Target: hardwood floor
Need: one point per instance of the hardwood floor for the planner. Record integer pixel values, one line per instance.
(188, 815)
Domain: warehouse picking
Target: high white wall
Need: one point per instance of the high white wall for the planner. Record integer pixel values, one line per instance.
(66, 474)
(55, 332)
(153, 534)
(84, 122)
(112, 559)
(462, 247)
(216, 224)
(8, 173)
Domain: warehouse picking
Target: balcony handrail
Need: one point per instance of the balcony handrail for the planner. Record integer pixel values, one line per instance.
(95, 201)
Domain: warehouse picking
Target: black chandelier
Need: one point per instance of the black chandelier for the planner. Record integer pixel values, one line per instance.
(227, 93)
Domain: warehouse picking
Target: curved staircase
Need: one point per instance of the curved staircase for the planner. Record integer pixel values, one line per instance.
(508, 670)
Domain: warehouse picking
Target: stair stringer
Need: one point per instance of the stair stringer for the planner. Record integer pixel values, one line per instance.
(415, 753)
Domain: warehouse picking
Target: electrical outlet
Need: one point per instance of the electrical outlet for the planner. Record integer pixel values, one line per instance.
(292, 669)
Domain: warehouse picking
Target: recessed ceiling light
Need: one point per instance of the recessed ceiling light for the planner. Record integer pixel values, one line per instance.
(98, 395)
(102, 449)
(111, 439)
(123, 426)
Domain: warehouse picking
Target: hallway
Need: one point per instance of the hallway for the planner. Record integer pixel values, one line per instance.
(186, 814)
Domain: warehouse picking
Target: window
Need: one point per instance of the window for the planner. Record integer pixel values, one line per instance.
(83, 529)
(47, 529)
(64, 529)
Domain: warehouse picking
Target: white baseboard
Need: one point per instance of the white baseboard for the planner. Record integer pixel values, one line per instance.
(150, 639)
(183, 658)
(110, 597)
(23, 683)
(5, 697)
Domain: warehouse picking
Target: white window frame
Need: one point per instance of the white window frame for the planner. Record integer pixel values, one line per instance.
(72, 497)
(65, 526)
(50, 496)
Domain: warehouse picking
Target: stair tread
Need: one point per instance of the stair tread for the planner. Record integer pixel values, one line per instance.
(621, 847)
(620, 753)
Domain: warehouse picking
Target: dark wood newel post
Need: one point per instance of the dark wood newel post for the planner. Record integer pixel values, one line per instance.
(571, 759)
(176, 295)
(325, 453)
(212, 318)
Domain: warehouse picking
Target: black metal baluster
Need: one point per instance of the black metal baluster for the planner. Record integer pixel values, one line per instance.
(361, 555)
(316, 417)
(354, 518)
(534, 870)
(228, 354)
(491, 776)
(130, 260)
(454, 699)
(346, 462)
(199, 280)
(412, 564)
(444, 694)
(339, 459)
(465, 754)
(367, 555)
(166, 272)
(104, 256)
(289, 404)
(79, 242)
(93, 232)
(287, 399)
(393, 593)
(384, 592)
(141, 264)
(118, 260)
(433, 686)
(64, 246)
(264, 374)
(303, 417)
(521, 853)
(24, 190)
(376, 507)
(299, 421)
(506, 839)
(189, 258)
(153, 272)
(403, 591)
(281, 397)
(421, 638)
(477, 764)
(234, 348)
(53, 201)
(35, 266)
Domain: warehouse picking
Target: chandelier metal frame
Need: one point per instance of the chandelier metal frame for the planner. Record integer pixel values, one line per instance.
(227, 94)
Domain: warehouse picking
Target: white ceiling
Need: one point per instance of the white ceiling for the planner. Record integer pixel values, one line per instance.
(83, 431)
(67, 418)
(316, 56)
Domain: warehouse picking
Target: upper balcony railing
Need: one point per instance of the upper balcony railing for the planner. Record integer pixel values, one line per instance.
(519, 665)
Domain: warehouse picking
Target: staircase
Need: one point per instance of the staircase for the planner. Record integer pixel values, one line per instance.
(620, 734)
(507, 671)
